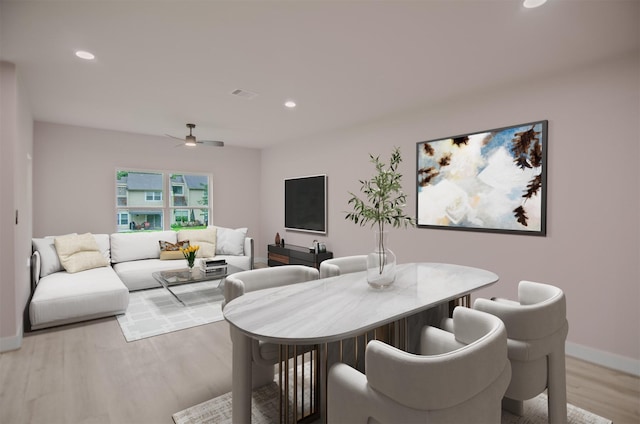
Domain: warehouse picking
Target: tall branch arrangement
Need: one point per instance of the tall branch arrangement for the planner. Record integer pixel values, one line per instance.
(384, 199)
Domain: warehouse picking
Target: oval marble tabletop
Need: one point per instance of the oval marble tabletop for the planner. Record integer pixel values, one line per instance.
(336, 308)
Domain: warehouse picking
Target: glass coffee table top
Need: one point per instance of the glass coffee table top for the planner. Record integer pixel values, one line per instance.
(176, 277)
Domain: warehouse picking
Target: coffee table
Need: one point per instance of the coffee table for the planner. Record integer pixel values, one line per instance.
(179, 277)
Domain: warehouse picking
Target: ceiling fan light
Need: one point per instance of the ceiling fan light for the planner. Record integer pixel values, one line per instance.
(190, 141)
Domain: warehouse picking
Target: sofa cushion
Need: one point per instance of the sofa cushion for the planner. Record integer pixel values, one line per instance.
(137, 275)
(205, 238)
(79, 252)
(230, 241)
(171, 251)
(62, 298)
(135, 246)
(49, 260)
(104, 245)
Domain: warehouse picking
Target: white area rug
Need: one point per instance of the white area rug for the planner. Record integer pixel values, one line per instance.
(155, 311)
(265, 410)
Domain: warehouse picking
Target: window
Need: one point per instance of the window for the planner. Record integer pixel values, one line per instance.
(180, 216)
(153, 196)
(189, 201)
(122, 195)
(141, 204)
(123, 218)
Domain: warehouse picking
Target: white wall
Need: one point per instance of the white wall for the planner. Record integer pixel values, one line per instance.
(591, 249)
(16, 143)
(74, 174)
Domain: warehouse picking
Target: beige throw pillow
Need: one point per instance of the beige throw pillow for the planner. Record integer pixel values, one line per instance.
(79, 252)
(206, 239)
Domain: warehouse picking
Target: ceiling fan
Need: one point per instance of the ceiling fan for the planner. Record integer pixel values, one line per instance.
(190, 140)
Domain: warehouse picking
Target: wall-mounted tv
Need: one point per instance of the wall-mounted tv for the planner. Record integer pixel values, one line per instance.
(305, 204)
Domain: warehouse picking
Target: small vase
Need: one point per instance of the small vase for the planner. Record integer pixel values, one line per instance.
(191, 263)
(381, 263)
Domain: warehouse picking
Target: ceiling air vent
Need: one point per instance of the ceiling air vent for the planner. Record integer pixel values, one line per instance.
(244, 94)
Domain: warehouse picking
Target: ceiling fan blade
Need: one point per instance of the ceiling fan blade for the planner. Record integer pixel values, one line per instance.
(177, 138)
(213, 143)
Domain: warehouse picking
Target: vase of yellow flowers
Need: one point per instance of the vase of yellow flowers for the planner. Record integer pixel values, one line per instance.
(190, 254)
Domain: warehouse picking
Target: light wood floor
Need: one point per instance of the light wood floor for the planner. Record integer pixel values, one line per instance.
(88, 373)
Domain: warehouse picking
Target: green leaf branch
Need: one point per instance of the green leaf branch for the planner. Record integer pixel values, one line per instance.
(383, 201)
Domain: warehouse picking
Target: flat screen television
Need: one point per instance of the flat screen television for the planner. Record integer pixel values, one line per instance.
(305, 204)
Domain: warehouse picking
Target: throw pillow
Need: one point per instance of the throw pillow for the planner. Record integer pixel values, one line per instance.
(49, 261)
(206, 239)
(230, 241)
(79, 252)
(171, 251)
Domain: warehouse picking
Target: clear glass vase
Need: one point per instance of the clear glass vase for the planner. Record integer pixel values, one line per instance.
(381, 263)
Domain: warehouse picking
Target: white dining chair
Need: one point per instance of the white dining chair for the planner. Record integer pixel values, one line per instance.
(343, 265)
(537, 329)
(265, 355)
(459, 377)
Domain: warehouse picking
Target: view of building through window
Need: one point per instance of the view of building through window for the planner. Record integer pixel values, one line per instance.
(153, 201)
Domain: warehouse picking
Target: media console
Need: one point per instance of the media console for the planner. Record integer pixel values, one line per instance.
(295, 255)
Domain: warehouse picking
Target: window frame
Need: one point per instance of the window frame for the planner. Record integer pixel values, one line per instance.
(164, 205)
(121, 214)
(152, 194)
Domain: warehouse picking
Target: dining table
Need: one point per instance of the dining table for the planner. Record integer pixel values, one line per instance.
(332, 309)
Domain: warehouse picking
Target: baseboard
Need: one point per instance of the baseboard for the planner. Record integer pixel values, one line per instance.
(10, 343)
(605, 359)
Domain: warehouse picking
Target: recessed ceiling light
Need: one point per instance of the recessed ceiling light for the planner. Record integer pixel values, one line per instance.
(290, 104)
(85, 55)
(530, 4)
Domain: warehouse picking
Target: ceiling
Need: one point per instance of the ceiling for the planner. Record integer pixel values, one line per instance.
(161, 64)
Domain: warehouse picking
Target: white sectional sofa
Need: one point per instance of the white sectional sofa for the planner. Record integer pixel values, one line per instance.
(134, 256)
(61, 297)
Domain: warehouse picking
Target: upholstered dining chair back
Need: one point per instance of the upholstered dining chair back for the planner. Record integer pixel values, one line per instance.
(263, 278)
(343, 265)
(265, 355)
(459, 377)
(537, 329)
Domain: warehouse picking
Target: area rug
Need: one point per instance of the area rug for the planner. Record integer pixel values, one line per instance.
(155, 311)
(265, 410)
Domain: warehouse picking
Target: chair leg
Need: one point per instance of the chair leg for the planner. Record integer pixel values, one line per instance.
(557, 387)
(516, 407)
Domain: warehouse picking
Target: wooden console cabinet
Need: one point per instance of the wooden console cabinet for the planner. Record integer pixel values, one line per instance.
(295, 255)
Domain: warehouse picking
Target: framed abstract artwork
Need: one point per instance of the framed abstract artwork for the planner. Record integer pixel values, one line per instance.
(494, 180)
